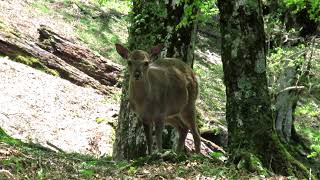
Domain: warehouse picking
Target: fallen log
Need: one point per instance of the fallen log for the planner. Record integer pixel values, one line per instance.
(78, 56)
(98, 73)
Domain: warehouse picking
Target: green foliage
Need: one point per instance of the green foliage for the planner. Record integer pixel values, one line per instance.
(311, 6)
(206, 10)
(309, 108)
(282, 58)
(312, 134)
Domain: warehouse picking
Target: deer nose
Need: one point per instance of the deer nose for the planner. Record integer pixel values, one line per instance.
(137, 74)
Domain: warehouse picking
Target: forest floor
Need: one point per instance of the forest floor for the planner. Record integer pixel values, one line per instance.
(79, 119)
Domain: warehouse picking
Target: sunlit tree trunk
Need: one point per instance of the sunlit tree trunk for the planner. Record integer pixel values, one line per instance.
(252, 140)
(152, 22)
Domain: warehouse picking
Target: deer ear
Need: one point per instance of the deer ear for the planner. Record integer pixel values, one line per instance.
(156, 49)
(124, 52)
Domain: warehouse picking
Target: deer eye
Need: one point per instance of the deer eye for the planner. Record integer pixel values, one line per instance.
(129, 63)
(146, 64)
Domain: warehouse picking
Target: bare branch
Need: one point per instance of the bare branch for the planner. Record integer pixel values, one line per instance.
(292, 88)
(7, 174)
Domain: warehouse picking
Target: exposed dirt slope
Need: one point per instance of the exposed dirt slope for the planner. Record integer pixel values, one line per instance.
(44, 109)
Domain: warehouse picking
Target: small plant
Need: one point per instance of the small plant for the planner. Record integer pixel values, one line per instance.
(132, 170)
(316, 151)
(216, 154)
(40, 174)
(87, 172)
(181, 171)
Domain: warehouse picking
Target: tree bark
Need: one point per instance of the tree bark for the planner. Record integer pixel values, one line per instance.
(252, 140)
(93, 70)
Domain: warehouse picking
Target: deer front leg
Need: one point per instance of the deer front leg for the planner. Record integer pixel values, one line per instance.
(159, 128)
(148, 134)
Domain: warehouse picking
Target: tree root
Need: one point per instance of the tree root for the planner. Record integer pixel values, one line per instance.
(277, 159)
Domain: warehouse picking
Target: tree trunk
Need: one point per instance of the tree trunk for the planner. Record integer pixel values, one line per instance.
(150, 25)
(252, 141)
(73, 62)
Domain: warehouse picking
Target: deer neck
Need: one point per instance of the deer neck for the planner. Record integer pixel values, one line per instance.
(138, 91)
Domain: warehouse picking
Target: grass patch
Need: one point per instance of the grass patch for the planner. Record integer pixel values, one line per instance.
(119, 6)
(39, 5)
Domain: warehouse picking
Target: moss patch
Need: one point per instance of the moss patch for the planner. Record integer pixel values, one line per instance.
(35, 63)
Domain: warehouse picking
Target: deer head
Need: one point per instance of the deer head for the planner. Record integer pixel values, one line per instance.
(138, 61)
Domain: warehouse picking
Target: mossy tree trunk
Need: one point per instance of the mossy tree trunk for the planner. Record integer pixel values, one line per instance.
(150, 25)
(252, 140)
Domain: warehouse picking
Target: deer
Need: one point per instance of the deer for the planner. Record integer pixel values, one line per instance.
(162, 91)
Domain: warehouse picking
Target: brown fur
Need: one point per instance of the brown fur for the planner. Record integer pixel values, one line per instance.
(161, 92)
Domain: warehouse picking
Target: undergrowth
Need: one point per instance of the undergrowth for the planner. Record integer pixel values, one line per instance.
(32, 161)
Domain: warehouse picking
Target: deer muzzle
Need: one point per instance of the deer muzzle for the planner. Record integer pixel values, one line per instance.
(137, 75)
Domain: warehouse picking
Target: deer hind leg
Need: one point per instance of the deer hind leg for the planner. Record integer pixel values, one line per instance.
(159, 125)
(148, 133)
(183, 131)
(188, 115)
